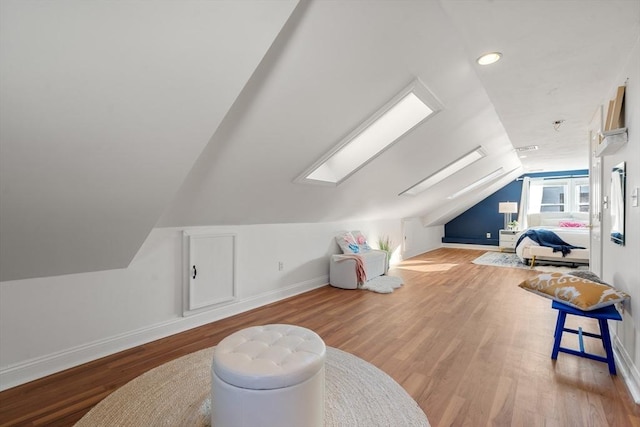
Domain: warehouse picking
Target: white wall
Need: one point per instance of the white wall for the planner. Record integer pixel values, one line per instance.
(105, 107)
(52, 323)
(418, 238)
(620, 263)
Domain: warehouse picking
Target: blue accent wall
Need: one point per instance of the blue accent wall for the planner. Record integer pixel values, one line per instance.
(471, 226)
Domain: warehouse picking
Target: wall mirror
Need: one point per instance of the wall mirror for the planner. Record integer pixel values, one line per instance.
(617, 203)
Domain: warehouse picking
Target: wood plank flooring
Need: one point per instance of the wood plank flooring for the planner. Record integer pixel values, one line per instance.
(470, 347)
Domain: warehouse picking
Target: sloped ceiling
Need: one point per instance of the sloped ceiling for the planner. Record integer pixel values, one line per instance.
(341, 63)
(105, 106)
(112, 113)
(346, 59)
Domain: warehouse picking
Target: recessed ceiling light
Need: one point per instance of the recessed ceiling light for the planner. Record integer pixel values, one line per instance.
(489, 58)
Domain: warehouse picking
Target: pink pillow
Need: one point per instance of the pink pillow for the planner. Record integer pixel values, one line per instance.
(361, 240)
(571, 224)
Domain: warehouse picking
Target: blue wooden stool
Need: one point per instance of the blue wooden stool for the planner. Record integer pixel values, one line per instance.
(602, 314)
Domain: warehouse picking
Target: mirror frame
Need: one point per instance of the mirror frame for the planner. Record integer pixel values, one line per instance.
(617, 203)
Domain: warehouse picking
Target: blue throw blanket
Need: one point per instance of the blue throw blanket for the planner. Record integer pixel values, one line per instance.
(549, 239)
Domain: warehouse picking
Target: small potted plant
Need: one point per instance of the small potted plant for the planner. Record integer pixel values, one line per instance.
(384, 243)
(513, 225)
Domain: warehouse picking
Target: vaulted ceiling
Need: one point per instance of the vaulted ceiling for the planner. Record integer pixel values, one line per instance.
(120, 116)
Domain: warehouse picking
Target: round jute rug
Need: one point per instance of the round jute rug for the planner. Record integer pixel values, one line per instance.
(178, 394)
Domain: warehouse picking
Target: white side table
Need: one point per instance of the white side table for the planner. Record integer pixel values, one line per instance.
(508, 240)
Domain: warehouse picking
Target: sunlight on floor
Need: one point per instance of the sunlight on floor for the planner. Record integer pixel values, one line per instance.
(424, 266)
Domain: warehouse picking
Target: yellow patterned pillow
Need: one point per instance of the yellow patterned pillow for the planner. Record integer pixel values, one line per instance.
(580, 293)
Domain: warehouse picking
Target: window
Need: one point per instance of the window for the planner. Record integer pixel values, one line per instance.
(553, 198)
(410, 108)
(560, 195)
(445, 172)
(487, 178)
(582, 195)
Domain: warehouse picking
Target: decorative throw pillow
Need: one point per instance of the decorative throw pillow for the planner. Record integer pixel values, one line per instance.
(572, 224)
(347, 243)
(361, 241)
(574, 291)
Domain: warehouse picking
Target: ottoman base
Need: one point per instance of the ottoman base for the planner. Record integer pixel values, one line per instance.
(292, 406)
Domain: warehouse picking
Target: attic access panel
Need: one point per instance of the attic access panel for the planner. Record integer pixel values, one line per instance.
(210, 271)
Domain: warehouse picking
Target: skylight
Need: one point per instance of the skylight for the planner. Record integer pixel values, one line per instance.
(407, 110)
(527, 148)
(445, 172)
(485, 179)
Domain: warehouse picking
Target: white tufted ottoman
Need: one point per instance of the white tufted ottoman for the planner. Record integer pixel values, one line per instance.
(269, 375)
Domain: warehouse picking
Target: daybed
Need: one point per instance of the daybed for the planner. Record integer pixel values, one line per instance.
(572, 228)
(357, 264)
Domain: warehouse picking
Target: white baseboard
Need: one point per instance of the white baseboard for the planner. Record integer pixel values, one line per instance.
(470, 246)
(627, 368)
(40, 367)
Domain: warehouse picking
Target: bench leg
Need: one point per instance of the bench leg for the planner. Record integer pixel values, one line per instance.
(562, 316)
(606, 340)
(533, 261)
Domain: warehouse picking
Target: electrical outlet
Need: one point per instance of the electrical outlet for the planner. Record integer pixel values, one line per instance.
(488, 235)
(280, 266)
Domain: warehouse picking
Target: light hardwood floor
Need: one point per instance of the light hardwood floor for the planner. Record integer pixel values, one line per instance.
(470, 347)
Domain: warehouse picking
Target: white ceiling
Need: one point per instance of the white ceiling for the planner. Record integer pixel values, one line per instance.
(560, 60)
(149, 87)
